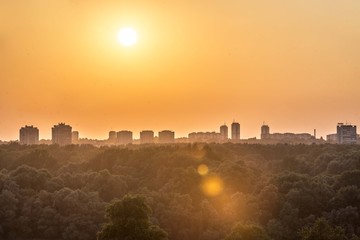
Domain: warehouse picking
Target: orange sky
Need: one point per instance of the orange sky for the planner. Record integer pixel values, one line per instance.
(197, 64)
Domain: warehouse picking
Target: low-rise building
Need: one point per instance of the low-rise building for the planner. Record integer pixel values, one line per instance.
(204, 137)
(75, 137)
(332, 138)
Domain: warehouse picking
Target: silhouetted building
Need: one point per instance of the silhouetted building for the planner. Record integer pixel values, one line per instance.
(75, 136)
(235, 131)
(291, 136)
(285, 137)
(332, 138)
(124, 137)
(204, 137)
(146, 136)
(346, 134)
(166, 136)
(61, 134)
(29, 135)
(112, 135)
(265, 132)
(224, 132)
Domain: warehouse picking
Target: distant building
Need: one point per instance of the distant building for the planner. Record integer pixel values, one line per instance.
(224, 132)
(204, 137)
(285, 137)
(146, 136)
(75, 136)
(332, 138)
(124, 137)
(61, 134)
(265, 132)
(291, 136)
(166, 136)
(29, 135)
(112, 137)
(346, 134)
(235, 131)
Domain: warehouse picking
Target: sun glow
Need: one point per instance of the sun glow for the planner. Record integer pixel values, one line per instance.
(127, 37)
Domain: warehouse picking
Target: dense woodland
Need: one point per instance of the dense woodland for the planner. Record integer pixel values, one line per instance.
(283, 192)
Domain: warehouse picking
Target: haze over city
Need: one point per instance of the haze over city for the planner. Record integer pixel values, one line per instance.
(194, 66)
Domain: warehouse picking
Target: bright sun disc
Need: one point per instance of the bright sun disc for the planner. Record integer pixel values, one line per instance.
(127, 37)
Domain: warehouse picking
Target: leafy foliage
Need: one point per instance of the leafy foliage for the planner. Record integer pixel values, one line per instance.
(285, 192)
(129, 219)
(247, 232)
(322, 230)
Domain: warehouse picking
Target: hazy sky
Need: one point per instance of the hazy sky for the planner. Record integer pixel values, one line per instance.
(197, 64)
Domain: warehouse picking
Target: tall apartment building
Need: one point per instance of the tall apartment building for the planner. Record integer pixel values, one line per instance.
(265, 131)
(29, 135)
(346, 134)
(166, 136)
(224, 132)
(61, 134)
(146, 136)
(124, 137)
(235, 131)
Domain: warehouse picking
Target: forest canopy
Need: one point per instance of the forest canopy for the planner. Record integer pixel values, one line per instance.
(189, 191)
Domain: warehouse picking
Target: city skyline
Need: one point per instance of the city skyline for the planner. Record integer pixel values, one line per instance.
(223, 132)
(45, 132)
(293, 64)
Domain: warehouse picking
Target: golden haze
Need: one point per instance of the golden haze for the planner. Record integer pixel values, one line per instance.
(293, 64)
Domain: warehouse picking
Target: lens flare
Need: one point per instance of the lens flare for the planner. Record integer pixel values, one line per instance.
(203, 169)
(212, 186)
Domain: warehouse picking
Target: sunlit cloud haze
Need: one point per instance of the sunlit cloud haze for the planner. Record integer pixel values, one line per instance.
(195, 65)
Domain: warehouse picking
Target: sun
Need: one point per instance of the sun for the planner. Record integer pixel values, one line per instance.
(127, 37)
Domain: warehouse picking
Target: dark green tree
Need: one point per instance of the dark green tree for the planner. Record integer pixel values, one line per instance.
(129, 219)
(247, 232)
(322, 230)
